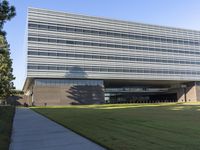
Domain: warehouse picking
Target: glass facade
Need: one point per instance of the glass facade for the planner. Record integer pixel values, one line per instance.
(108, 33)
(86, 47)
(110, 69)
(64, 82)
(83, 43)
(65, 55)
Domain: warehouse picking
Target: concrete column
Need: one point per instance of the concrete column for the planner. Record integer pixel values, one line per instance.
(197, 84)
(180, 95)
(188, 93)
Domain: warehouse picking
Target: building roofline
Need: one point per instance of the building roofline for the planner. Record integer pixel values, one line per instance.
(111, 19)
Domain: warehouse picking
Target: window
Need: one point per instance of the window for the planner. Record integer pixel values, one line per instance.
(79, 55)
(32, 39)
(79, 30)
(103, 70)
(78, 42)
(42, 40)
(61, 41)
(96, 56)
(70, 42)
(70, 29)
(32, 67)
(87, 56)
(61, 54)
(34, 26)
(52, 54)
(52, 41)
(87, 31)
(61, 29)
(43, 67)
(52, 68)
(32, 53)
(45, 27)
(61, 68)
(70, 55)
(52, 28)
(43, 53)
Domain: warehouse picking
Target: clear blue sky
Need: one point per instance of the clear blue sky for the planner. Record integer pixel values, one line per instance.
(175, 13)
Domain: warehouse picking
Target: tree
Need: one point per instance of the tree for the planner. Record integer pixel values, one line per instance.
(7, 12)
(6, 76)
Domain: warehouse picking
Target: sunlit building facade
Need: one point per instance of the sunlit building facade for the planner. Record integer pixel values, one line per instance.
(76, 59)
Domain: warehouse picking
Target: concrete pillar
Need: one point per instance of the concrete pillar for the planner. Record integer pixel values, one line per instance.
(197, 84)
(180, 95)
(190, 93)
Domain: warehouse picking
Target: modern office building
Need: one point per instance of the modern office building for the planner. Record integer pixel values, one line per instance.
(76, 59)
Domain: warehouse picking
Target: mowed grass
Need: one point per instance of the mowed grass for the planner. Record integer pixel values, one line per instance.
(132, 126)
(6, 117)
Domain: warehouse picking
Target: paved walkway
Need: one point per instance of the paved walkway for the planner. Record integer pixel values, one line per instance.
(32, 131)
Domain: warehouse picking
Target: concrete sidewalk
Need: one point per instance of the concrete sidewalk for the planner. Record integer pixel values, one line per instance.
(32, 131)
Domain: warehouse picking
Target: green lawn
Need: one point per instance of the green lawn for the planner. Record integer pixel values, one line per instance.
(6, 117)
(132, 126)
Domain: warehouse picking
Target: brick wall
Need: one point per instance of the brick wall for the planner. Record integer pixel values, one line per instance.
(68, 95)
